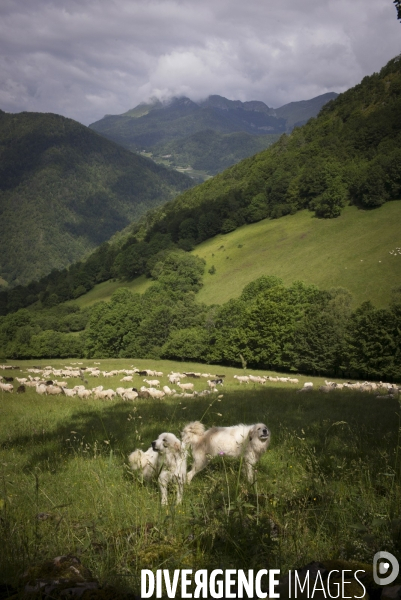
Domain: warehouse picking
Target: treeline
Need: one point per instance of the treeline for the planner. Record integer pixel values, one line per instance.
(270, 326)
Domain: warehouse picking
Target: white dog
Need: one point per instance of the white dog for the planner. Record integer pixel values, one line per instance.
(166, 460)
(246, 441)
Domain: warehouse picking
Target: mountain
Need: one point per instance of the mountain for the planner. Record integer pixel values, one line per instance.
(211, 152)
(350, 154)
(174, 132)
(64, 190)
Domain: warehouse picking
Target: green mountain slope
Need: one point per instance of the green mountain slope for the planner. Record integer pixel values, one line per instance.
(211, 151)
(182, 129)
(298, 113)
(64, 190)
(351, 153)
(357, 251)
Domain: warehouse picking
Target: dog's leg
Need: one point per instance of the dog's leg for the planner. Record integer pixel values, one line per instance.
(180, 489)
(249, 471)
(163, 489)
(199, 464)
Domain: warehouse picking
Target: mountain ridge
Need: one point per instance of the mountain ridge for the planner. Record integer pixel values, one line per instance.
(160, 128)
(64, 190)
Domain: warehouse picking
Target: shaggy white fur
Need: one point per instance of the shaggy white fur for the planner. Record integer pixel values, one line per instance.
(166, 460)
(246, 441)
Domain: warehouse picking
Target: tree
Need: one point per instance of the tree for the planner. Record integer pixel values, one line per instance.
(398, 7)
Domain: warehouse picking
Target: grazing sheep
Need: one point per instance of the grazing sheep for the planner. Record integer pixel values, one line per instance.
(242, 378)
(143, 394)
(158, 394)
(305, 389)
(127, 378)
(256, 379)
(84, 393)
(152, 382)
(6, 387)
(130, 395)
(69, 393)
(326, 388)
(53, 390)
(186, 386)
(167, 390)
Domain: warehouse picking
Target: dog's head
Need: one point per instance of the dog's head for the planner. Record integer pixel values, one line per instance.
(261, 432)
(166, 443)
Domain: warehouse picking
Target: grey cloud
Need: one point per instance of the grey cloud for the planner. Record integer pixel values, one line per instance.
(88, 58)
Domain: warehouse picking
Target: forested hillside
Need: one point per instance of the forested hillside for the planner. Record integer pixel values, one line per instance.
(208, 136)
(351, 153)
(64, 190)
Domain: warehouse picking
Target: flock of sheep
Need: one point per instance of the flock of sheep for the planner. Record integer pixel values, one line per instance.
(46, 381)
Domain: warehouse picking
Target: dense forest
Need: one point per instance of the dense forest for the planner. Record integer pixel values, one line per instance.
(64, 190)
(296, 328)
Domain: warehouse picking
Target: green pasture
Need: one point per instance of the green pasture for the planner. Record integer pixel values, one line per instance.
(328, 487)
(351, 251)
(105, 290)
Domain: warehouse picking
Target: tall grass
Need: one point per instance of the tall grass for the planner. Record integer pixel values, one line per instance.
(328, 487)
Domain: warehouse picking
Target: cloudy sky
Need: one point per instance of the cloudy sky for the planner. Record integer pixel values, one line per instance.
(87, 58)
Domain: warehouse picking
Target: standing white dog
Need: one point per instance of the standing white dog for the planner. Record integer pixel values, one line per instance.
(166, 460)
(246, 441)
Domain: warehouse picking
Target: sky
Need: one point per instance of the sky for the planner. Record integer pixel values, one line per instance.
(87, 58)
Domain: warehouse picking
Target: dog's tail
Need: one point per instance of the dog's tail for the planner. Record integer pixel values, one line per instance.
(192, 431)
(135, 460)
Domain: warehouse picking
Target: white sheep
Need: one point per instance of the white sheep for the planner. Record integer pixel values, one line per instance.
(7, 387)
(242, 378)
(256, 379)
(152, 382)
(127, 378)
(186, 386)
(155, 393)
(326, 388)
(130, 395)
(70, 393)
(53, 390)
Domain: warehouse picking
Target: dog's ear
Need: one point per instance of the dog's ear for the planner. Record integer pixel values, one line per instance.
(177, 446)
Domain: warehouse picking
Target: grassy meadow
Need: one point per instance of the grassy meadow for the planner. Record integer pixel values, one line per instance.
(351, 251)
(328, 488)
